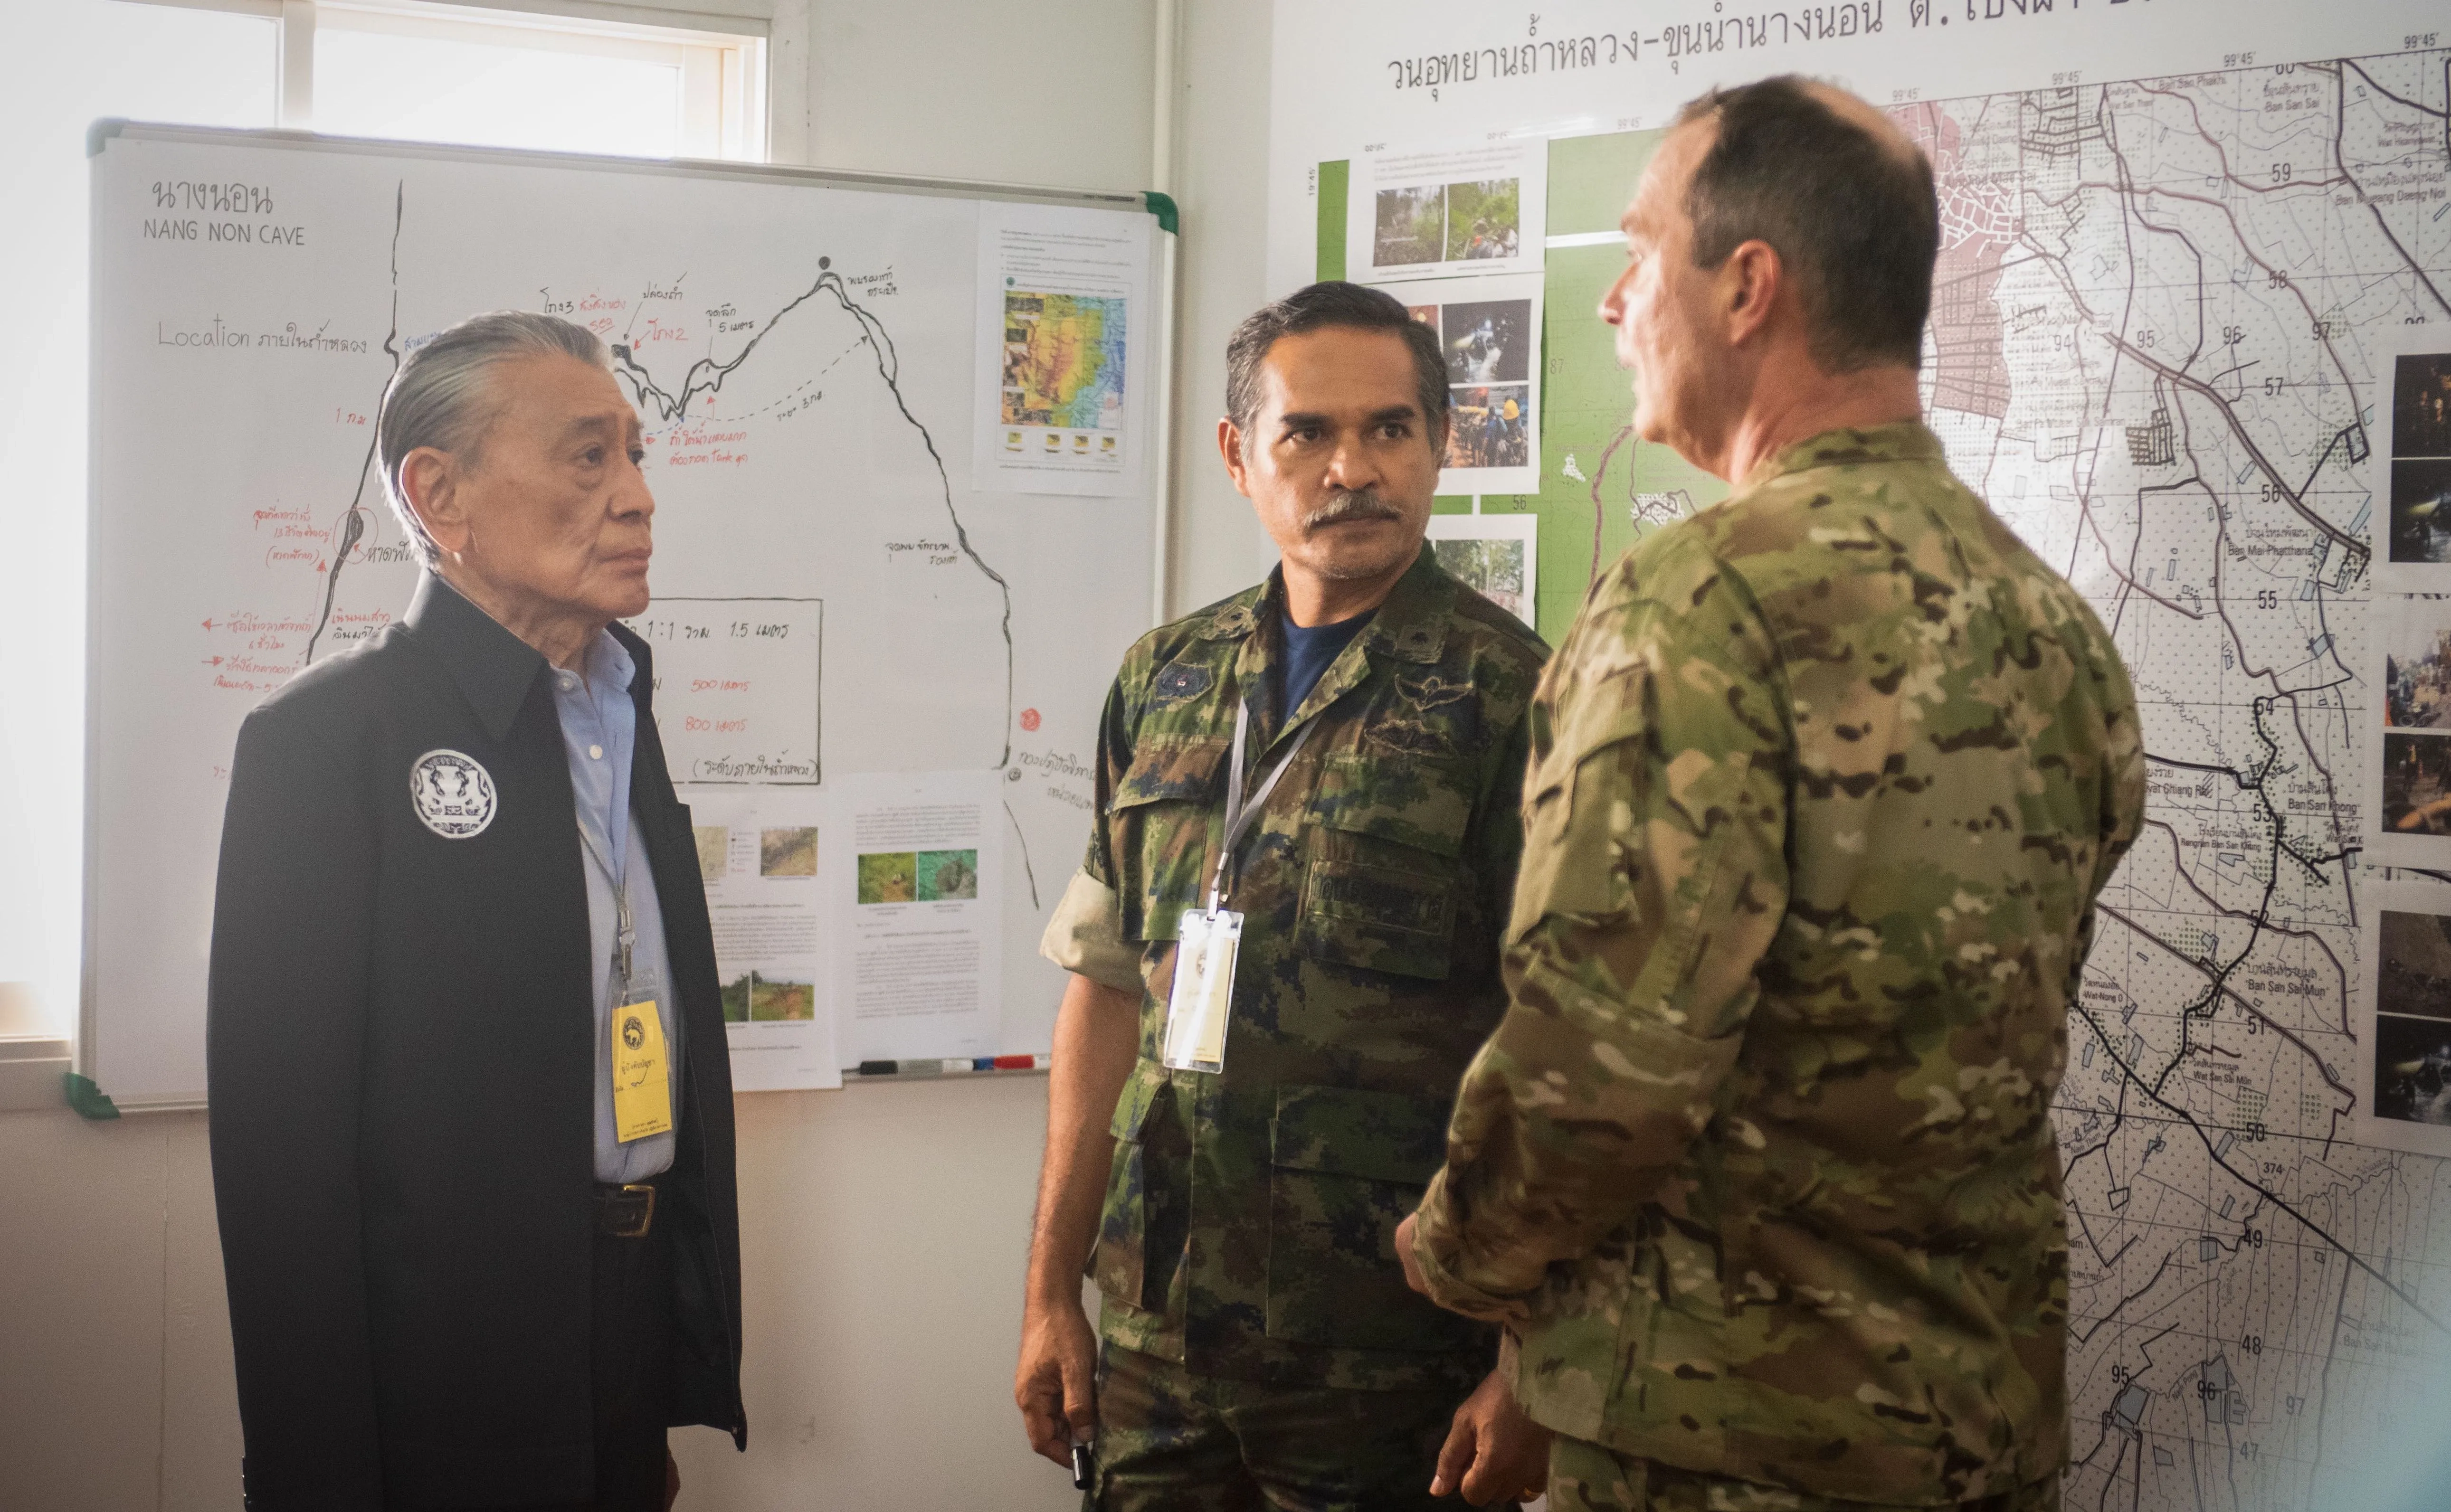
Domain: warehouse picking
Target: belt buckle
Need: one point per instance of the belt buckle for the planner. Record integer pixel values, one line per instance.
(625, 1224)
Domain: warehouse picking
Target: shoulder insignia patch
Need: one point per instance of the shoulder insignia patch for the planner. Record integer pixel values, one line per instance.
(1417, 642)
(1180, 682)
(1234, 619)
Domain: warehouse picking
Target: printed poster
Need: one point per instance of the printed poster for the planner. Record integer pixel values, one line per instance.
(2405, 1017)
(2407, 749)
(2409, 472)
(917, 896)
(761, 855)
(1430, 211)
(1489, 330)
(1495, 556)
(1065, 394)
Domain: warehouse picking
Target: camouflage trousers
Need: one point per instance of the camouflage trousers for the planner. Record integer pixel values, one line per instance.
(1586, 1477)
(1170, 1440)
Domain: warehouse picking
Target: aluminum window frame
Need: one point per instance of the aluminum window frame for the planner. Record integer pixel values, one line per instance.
(723, 59)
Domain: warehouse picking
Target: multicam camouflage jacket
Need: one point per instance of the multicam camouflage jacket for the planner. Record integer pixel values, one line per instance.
(1250, 1216)
(1824, 782)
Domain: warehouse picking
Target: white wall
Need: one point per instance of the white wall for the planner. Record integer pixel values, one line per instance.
(883, 1227)
(1221, 108)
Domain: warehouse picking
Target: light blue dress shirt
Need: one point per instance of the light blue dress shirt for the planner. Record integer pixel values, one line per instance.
(599, 734)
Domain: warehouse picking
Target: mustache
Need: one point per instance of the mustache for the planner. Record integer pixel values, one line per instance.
(1356, 504)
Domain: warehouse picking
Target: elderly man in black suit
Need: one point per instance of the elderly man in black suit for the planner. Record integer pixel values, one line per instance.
(471, 1102)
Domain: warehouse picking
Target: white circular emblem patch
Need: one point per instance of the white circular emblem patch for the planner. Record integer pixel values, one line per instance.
(454, 797)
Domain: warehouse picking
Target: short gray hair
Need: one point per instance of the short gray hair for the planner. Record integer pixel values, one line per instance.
(442, 394)
(1350, 307)
(1854, 220)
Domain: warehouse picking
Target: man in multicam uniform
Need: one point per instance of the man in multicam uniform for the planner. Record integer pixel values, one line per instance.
(1261, 1348)
(1825, 781)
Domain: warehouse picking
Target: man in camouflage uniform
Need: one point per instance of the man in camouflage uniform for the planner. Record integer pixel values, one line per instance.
(1261, 1348)
(1824, 782)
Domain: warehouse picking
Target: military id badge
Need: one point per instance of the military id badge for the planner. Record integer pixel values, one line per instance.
(1202, 999)
(643, 1085)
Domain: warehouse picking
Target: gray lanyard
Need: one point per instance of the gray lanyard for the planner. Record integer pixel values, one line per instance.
(617, 870)
(626, 933)
(1239, 815)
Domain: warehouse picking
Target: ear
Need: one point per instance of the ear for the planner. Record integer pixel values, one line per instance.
(431, 482)
(1229, 446)
(1750, 283)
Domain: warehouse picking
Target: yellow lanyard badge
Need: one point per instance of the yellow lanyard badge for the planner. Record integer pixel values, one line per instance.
(642, 1083)
(642, 1089)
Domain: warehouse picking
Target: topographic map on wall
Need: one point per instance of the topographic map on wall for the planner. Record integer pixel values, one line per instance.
(2162, 346)
(1064, 360)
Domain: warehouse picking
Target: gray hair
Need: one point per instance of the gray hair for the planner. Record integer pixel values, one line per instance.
(442, 397)
(1854, 220)
(1350, 307)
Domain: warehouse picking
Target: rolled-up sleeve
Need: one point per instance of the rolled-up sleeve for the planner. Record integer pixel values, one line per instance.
(1653, 878)
(1086, 936)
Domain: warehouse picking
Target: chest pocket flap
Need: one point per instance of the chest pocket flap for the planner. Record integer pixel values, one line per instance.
(1173, 768)
(1384, 880)
(1165, 804)
(1421, 801)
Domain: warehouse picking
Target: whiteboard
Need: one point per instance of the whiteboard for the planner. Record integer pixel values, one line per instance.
(805, 352)
(2193, 253)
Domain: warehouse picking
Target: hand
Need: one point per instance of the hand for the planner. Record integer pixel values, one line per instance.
(1494, 1452)
(671, 1480)
(1413, 1276)
(1056, 1383)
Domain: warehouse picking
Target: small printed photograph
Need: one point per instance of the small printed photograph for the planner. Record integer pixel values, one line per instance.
(1493, 569)
(713, 850)
(2417, 784)
(780, 999)
(1490, 426)
(2415, 975)
(1484, 220)
(1411, 226)
(2412, 1070)
(788, 852)
(2415, 669)
(2420, 509)
(947, 876)
(735, 999)
(1487, 340)
(888, 877)
(2420, 405)
(1426, 314)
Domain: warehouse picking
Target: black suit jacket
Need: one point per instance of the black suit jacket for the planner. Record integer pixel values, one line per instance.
(400, 1058)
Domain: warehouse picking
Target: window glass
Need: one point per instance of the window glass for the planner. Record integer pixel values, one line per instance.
(67, 63)
(195, 68)
(374, 83)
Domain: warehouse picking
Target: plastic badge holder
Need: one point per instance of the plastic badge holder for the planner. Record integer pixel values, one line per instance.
(1199, 1008)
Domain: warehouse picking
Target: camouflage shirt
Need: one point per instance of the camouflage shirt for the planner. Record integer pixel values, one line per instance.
(1250, 1214)
(1824, 782)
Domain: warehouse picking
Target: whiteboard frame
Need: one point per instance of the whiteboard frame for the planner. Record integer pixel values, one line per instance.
(1166, 285)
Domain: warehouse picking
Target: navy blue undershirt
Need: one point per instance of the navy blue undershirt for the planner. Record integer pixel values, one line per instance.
(1310, 650)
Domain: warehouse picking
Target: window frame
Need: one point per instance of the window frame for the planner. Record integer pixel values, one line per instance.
(722, 60)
